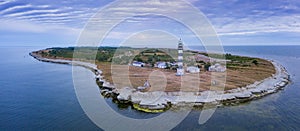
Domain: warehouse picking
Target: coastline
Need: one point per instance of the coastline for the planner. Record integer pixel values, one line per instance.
(160, 101)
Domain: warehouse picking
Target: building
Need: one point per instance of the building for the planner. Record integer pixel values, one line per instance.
(147, 84)
(138, 64)
(180, 70)
(162, 65)
(217, 68)
(192, 69)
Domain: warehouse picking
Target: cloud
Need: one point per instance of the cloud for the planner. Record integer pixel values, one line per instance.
(47, 14)
(20, 26)
(15, 8)
(271, 24)
(3, 2)
(32, 12)
(230, 18)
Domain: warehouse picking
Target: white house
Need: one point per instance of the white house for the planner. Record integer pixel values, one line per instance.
(138, 64)
(162, 65)
(217, 68)
(193, 69)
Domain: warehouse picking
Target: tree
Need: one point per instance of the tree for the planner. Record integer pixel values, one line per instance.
(168, 66)
(153, 64)
(206, 66)
(139, 59)
(150, 59)
(255, 62)
(199, 66)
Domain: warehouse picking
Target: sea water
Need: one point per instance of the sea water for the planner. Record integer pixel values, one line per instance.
(36, 95)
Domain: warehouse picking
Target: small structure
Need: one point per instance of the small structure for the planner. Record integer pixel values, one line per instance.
(162, 65)
(138, 64)
(193, 69)
(146, 85)
(217, 68)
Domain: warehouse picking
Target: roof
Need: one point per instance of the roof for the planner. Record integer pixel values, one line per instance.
(161, 63)
(136, 62)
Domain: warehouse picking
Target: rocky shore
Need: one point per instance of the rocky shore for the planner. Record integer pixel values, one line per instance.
(160, 101)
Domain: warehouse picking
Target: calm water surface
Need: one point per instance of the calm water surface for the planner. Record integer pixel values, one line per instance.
(36, 96)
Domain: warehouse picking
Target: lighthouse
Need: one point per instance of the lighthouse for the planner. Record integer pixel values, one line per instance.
(180, 70)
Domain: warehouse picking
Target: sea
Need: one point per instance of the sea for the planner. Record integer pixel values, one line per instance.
(36, 95)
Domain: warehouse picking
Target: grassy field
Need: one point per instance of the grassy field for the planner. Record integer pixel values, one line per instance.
(114, 62)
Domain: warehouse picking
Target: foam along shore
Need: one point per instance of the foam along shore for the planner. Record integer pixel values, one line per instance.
(160, 101)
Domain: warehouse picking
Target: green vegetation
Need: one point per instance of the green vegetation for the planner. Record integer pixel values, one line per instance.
(240, 61)
(109, 54)
(206, 66)
(255, 62)
(150, 56)
(103, 54)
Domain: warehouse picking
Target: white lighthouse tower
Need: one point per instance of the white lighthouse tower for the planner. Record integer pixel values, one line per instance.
(180, 70)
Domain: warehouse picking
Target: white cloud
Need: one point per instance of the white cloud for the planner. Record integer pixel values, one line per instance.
(57, 16)
(32, 11)
(289, 7)
(246, 26)
(20, 26)
(49, 15)
(15, 8)
(6, 2)
(227, 21)
(46, 15)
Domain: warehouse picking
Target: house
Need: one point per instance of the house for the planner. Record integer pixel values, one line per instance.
(138, 64)
(162, 65)
(217, 68)
(193, 69)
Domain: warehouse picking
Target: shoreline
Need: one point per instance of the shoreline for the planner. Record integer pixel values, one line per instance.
(159, 101)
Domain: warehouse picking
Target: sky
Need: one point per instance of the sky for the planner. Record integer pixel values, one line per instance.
(61, 23)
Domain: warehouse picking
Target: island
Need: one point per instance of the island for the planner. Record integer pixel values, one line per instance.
(150, 79)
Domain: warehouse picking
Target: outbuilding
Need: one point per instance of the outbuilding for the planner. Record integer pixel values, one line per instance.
(138, 64)
(217, 68)
(192, 69)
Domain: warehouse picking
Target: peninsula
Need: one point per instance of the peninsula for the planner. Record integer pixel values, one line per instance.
(146, 78)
